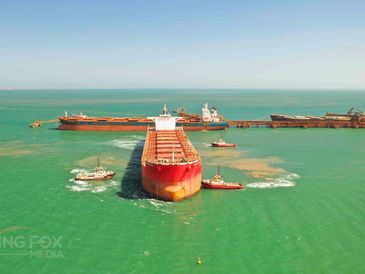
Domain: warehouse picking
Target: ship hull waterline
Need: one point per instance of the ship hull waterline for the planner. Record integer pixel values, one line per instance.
(172, 182)
(131, 128)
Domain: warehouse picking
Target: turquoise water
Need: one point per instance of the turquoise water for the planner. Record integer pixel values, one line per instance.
(311, 220)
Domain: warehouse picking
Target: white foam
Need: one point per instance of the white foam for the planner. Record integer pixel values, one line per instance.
(292, 176)
(113, 183)
(202, 144)
(126, 144)
(99, 189)
(94, 187)
(82, 183)
(285, 181)
(155, 203)
(137, 137)
(77, 188)
(260, 185)
(77, 170)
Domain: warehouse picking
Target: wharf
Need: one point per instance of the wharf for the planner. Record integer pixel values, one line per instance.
(297, 124)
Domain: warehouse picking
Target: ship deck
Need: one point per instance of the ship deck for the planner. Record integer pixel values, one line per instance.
(168, 146)
(122, 119)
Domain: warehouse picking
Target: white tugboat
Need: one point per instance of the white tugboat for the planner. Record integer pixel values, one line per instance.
(221, 143)
(98, 174)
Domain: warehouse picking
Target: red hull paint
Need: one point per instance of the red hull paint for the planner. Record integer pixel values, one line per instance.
(129, 128)
(171, 167)
(215, 186)
(172, 182)
(101, 128)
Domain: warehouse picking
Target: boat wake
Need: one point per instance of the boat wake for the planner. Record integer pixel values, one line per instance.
(94, 187)
(156, 205)
(77, 170)
(204, 145)
(128, 144)
(287, 180)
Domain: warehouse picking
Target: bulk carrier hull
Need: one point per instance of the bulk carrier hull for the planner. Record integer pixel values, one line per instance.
(171, 167)
(210, 120)
(80, 125)
(172, 183)
(353, 115)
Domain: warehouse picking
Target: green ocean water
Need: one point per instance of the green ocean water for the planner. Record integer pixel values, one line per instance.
(312, 222)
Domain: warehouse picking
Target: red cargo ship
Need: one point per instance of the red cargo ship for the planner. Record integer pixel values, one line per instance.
(210, 120)
(171, 167)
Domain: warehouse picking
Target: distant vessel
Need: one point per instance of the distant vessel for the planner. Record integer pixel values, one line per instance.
(171, 167)
(352, 115)
(210, 120)
(35, 124)
(280, 117)
(217, 182)
(98, 174)
(222, 143)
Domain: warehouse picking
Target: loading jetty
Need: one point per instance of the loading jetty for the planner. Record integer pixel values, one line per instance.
(210, 120)
(296, 124)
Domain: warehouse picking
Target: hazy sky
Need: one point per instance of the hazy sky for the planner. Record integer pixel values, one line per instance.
(182, 44)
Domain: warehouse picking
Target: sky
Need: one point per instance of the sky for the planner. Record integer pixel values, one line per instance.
(182, 44)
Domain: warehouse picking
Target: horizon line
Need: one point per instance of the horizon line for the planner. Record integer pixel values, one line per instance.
(190, 88)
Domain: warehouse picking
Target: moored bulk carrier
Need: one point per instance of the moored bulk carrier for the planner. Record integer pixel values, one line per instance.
(171, 167)
(210, 120)
(352, 115)
(354, 118)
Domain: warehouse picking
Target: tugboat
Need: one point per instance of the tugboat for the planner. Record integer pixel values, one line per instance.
(217, 182)
(98, 174)
(35, 124)
(222, 143)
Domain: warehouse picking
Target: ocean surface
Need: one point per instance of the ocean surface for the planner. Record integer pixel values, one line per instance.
(303, 210)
